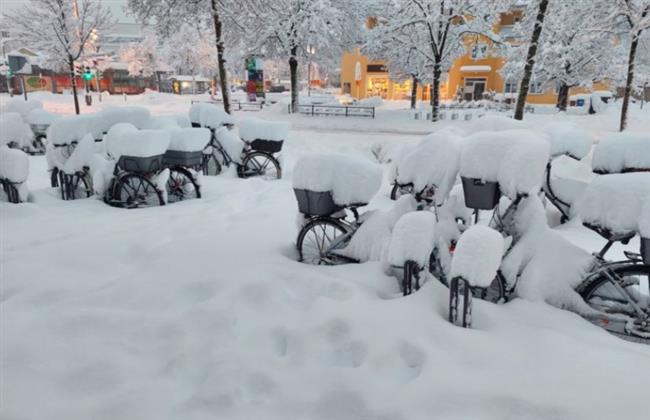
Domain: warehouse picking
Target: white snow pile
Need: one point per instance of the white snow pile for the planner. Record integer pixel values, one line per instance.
(545, 266)
(170, 121)
(370, 242)
(230, 141)
(644, 219)
(21, 106)
(350, 179)
(13, 129)
(40, 116)
(139, 116)
(514, 158)
(566, 138)
(124, 139)
(70, 129)
(81, 156)
(496, 123)
(615, 201)
(478, 255)
(622, 151)
(14, 164)
(433, 162)
(412, 238)
(189, 139)
(211, 116)
(195, 111)
(254, 128)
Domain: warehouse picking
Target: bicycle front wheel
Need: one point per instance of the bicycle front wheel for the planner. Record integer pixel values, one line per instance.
(615, 294)
(133, 191)
(260, 164)
(315, 241)
(181, 185)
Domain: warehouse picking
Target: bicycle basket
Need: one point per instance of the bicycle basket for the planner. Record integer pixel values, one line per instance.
(645, 250)
(178, 158)
(483, 195)
(39, 128)
(268, 146)
(140, 164)
(315, 203)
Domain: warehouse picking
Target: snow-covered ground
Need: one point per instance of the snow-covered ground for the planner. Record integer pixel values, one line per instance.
(199, 309)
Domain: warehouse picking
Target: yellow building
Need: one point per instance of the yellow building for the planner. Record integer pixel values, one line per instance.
(471, 75)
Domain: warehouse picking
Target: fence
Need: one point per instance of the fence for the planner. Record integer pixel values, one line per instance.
(235, 104)
(337, 110)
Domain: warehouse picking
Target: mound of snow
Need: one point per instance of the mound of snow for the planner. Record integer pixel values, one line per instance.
(615, 201)
(254, 128)
(568, 139)
(124, 139)
(170, 121)
(412, 238)
(139, 116)
(350, 179)
(644, 219)
(81, 156)
(620, 151)
(14, 164)
(71, 129)
(230, 141)
(21, 106)
(496, 123)
(514, 158)
(370, 242)
(40, 117)
(195, 111)
(14, 129)
(189, 139)
(433, 162)
(212, 116)
(478, 255)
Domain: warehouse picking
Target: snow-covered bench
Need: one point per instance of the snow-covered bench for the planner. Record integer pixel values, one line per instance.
(433, 163)
(511, 162)
(326, 183)
(622, 152)
(14, 170)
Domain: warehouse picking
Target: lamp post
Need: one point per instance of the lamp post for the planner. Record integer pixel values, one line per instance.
(311, 50)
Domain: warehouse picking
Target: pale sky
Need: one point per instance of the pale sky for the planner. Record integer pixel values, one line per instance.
(115, 5)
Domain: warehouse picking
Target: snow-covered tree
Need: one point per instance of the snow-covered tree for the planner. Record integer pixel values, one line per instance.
(142, 58)
(295, 29)
(221, 16)
(60, 30)
(435, 29)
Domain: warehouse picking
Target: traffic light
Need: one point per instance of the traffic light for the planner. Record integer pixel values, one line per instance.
(87, 75)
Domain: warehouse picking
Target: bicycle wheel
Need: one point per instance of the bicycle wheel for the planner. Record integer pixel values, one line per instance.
(400, 190)
(316, 238)
(411, 274)
(54, 177)
(9, 192)
(211, 164)
(134, 190)
(78, 185)
(616, 302)
(181, 185)
(460, 303)
(260, 164)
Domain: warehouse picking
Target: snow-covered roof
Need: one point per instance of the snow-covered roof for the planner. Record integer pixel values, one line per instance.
(475, 69)
(183, 78)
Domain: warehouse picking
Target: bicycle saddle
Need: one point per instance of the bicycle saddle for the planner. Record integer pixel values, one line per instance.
(623, 237)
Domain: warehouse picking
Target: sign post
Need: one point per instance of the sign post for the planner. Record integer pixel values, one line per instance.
(255, 78)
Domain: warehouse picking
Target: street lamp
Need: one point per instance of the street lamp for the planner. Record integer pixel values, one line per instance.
(311, 50)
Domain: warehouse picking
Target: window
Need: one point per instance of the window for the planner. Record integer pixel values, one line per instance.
(479, 51)
(347, 87)
(535, 87)
(511, 87)
(376, 68)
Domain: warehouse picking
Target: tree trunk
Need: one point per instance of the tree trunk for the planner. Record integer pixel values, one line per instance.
(73, 80)
(293, 68)
(563, 97)
(159, 81)
(435, 94)
(414, 92)
(630, 80)
(530, 60)
(221, 61)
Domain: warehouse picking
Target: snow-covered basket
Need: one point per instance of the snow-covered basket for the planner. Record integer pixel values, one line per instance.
(433, 162)
(14, 164)
(622, 152)
(39, 120)
(22, 107)
(170, 121)
(186, 146)
(14, 130)
(68, 130)
(478, 255)
(350, 180)
(568, 139)
(210, 116)
(139, 116)
(615, 202)
(412, 239)
(266, 136)
(510, 161)
(137, 150)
